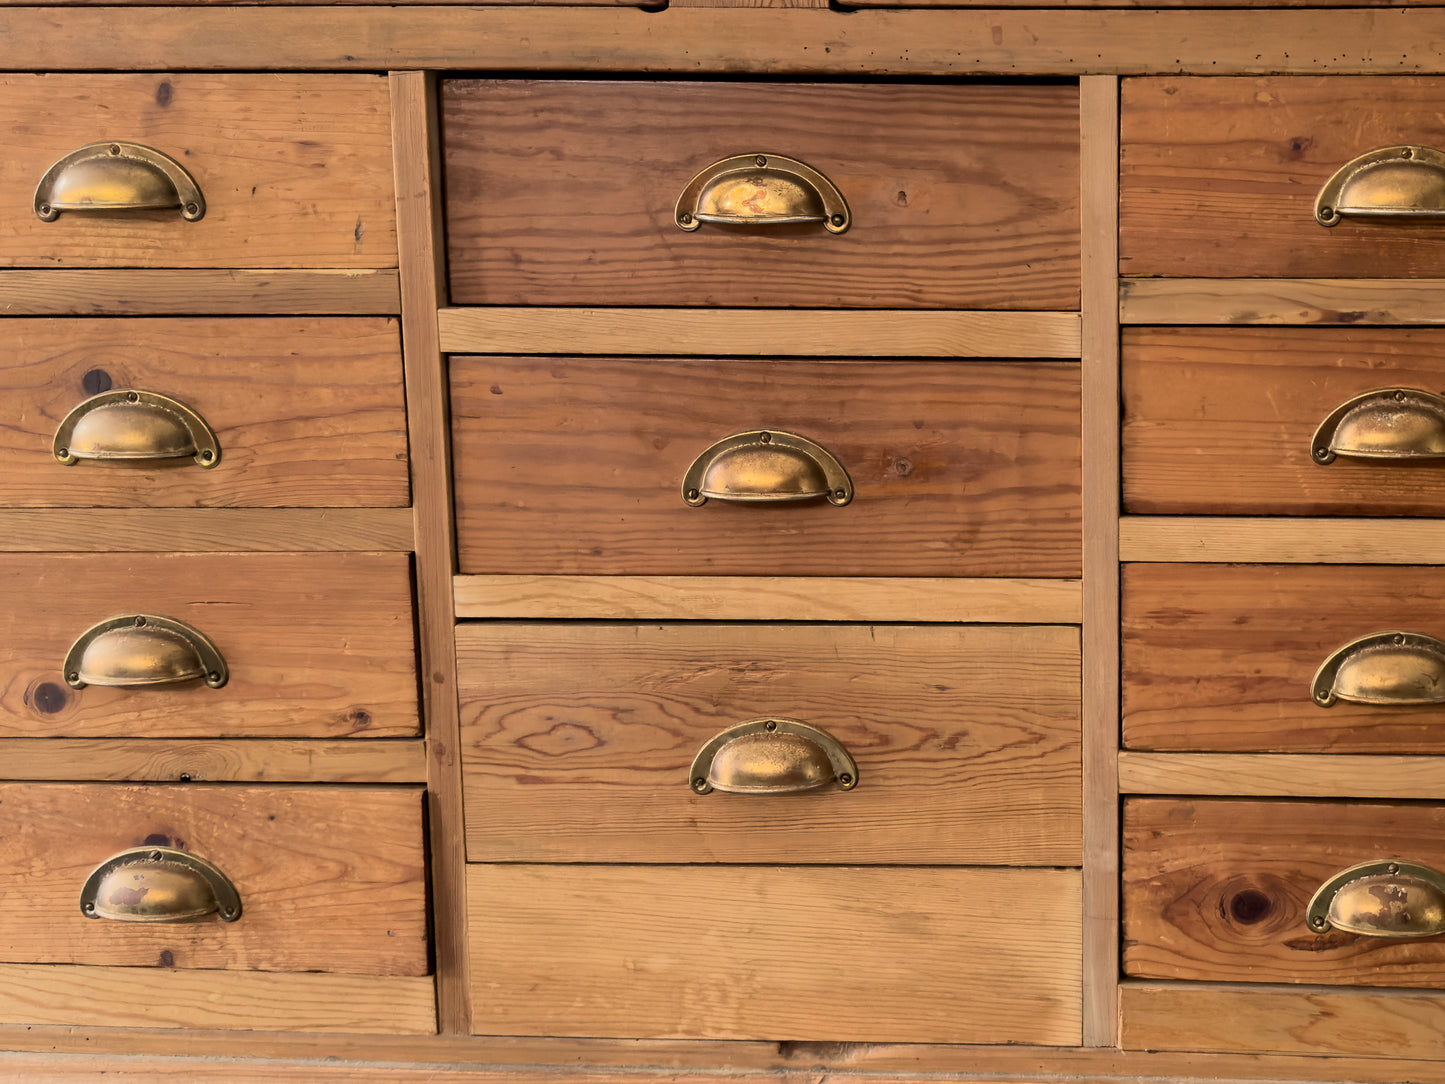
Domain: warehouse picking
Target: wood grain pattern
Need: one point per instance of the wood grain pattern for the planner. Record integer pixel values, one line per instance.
(183, 530)
(318, 645)
(574, 466)
(1298, 540)
(1281, 301)
(577, 742)
(1285, 775)
(330, 878)
(1216, 890)
(168, 760)
(1221, 657)
(137, 291)
(546, 203)
(295, 170)
(307, 412)
(815, 954)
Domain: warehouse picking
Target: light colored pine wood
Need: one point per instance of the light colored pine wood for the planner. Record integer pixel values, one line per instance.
(759, 332)
(138, 291)
(1264, 539)
(770, 598)
(815, 954)
(1294, 776)
(418, 174)
(388, 761)
(1281, 301)
(176, 530)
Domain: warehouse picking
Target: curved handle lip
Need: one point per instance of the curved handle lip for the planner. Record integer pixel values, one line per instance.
(772, 755)
(764, 465)
(1389, 899)
(799, 194)
(1404, 180)
(158, 884)
(116, 175)
(134, 425)
(1383, 423)
(1394, 668)
(134, 650)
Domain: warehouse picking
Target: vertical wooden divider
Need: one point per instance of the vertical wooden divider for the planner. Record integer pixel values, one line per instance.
(1099, 180)
(417, 162)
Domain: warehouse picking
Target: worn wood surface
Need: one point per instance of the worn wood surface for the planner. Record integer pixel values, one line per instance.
(1281, 301)
(168, 760)
(330, 878)
(547, 202)
(318, 645)
(174, 530)
(578, 742)
(813, 954)
(1336, 775)
(1318, 540)
(136, 291)
(576, 466)
(295, 170)
(1222, 657)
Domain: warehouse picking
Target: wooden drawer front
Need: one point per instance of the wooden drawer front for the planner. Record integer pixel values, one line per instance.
(576, 466)
(1223, 421)
(1218, 889)
(1219, 177)
(1223, 657)
(306, 412)
(317, 645)
(295, 170)
(564, 193)
(578, 742)
(864, 955)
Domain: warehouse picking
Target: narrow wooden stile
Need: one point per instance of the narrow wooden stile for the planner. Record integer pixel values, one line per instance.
(416, 149)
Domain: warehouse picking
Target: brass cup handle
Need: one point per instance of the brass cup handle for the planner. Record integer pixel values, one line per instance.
(143, 649)
(1388, 182)
(1384, 669)
(1386, 423)
(772, 756)
(158, 884)
(135, 425)
(761, 190)
(117, 176)
(766, 465)
(1388, 899)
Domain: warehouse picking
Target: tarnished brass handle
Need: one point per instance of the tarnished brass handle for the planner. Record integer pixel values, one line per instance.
(766, 465)
(1393, 899)
(1384, 668)
(143, 649)
(158, 884)
(1390, 182)
(772, 756)
(135, 425)
(116, 176)
(761, 190)
(1386, 423)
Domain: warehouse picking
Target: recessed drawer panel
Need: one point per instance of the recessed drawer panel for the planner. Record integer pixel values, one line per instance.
(579, 743)
(1284, 421)
(197, 170)
(579, 466)
(203, 412)
(571, 193)
(1222, 178)
(312, 645)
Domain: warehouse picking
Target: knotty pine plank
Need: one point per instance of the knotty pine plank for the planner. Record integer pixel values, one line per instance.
(1281, 301)
(170, 760)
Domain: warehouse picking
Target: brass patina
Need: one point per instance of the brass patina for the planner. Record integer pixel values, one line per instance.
(158, 884)
(143, 649)
(1389, 182)
(772, 756)
(1386, 423)
(766, 465)
(1390, 899)
(117, 176)
(130, 424)
(1384, 668)
(761, 190)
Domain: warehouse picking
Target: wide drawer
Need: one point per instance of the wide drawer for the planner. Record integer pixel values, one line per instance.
(1221, 890)
(1284, 421)
(566, 465)
(203, 412)
(816, 954)
(578, 742)
(292, 170)
(1283, 658)
(956, 196)
(314, 645)
(1219, 177)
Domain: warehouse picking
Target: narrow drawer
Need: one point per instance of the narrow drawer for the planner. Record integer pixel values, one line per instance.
(1219, 177)
(954, 196)
(203, 412)
(840, 954)
(1220, 890)
(1283, 658)
(292, 170)
(567, 465)
(314, 645)
(579, 743)
(1284, 421)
